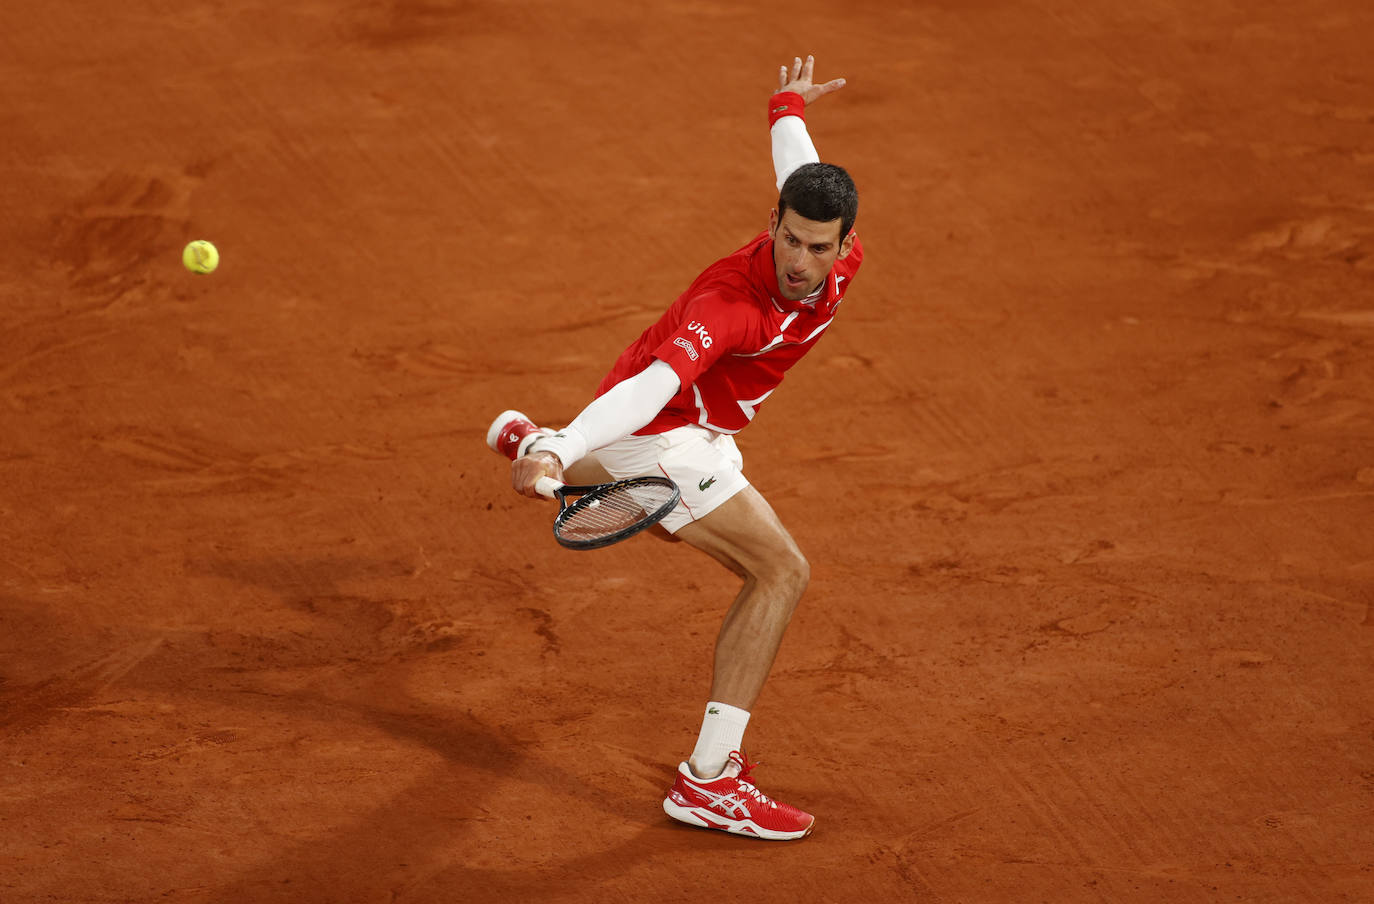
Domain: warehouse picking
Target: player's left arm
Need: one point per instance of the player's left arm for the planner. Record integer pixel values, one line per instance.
(792, 146)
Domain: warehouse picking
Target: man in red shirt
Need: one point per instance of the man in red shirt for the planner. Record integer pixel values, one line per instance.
(671, 404)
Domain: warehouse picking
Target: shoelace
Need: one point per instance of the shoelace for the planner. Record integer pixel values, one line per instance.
(746, 784)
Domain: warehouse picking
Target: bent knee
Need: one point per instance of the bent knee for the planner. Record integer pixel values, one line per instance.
(789, 570)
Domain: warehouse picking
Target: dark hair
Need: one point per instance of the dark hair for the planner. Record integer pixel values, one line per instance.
(821, 192)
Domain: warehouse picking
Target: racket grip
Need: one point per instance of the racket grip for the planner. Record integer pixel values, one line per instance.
(546, 486)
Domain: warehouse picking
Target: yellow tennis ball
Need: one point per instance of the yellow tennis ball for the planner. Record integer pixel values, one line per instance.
(200, 257)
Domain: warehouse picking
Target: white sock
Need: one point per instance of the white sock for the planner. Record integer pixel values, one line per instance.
(722, 731)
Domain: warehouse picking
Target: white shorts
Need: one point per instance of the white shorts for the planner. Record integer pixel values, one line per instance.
(706, 466)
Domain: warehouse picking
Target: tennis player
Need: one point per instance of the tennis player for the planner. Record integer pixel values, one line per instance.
(671, 405)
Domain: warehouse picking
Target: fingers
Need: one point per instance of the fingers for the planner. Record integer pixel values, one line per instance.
(799, 79)
(834, 84)
(525, 472)
(526, 486)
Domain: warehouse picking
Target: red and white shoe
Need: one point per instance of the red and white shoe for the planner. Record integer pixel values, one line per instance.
(732, 803)
(512, 433)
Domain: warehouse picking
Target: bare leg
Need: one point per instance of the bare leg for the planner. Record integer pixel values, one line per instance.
(585, 472)
(745, 535)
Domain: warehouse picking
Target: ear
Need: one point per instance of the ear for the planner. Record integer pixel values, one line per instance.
(772, 221)
(846, 246)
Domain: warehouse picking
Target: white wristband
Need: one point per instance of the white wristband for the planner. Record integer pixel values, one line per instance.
(568, 444)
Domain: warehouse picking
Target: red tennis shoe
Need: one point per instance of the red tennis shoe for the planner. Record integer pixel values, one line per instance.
(511, 434)
(732, 803)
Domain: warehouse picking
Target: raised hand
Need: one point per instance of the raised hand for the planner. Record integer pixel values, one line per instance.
(799, 80)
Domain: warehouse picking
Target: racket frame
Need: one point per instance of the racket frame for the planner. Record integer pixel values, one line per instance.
(589, 496)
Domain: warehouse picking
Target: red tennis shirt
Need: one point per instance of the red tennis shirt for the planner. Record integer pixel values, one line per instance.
(731, 337)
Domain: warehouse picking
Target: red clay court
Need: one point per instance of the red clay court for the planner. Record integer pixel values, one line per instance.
(1085, 467)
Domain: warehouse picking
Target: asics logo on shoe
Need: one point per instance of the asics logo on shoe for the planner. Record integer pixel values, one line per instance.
(726, 804)
(705, 484)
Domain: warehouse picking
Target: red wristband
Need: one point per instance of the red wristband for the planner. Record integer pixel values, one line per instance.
(785, 103)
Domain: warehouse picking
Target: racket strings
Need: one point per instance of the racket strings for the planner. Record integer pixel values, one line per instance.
(603, 515)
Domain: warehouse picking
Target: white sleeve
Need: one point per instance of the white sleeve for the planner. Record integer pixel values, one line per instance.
(791, 147)
(626, 406)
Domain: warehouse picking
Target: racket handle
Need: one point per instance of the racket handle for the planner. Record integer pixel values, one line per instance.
(546, 486)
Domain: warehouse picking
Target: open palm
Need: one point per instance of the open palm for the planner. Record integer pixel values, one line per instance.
(799, 80)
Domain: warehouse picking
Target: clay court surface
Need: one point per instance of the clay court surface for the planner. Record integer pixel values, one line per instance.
(1085, 468)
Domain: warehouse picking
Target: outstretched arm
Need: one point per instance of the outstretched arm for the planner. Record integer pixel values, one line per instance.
(792, 145)
(626, 407)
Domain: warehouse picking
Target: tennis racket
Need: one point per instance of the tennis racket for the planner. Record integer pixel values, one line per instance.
(596, 516)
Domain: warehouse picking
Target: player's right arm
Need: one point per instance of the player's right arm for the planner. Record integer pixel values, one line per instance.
(792, 145)
(620, 411)
(708, 327)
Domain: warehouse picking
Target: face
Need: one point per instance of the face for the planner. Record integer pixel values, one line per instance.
(804, 251)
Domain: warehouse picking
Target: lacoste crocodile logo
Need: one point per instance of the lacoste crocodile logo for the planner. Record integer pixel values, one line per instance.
(705, 484)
